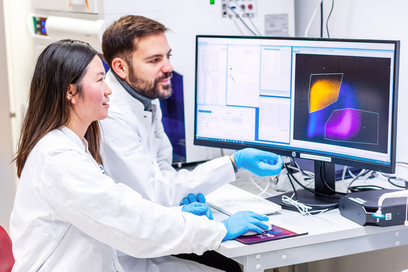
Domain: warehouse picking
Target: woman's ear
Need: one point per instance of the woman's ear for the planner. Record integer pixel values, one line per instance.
(120, 67)
(71, 93)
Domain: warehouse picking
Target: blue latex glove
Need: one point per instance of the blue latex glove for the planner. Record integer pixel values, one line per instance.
(242, 222)
(192, 198)
(198, 209)
(261, 163)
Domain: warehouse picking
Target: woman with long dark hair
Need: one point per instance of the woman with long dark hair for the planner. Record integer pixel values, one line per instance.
(68, 215)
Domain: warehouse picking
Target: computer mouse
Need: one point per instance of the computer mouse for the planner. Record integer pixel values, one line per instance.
(251, 232)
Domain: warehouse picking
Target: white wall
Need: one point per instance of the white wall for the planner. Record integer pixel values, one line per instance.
(15, 70)
(7, 184)
(366, 19)
(20, 59)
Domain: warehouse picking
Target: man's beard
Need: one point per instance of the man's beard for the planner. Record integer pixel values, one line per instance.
(148, 88)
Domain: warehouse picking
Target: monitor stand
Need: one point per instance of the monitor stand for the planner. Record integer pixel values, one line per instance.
(324, 172)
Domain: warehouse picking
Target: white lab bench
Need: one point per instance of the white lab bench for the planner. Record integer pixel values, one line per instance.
(329, 235)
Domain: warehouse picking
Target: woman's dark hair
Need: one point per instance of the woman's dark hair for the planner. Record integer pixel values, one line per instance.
(119, 38)
(60, 64)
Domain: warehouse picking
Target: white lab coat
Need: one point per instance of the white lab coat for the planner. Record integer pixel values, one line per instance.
(69, 216)
(137, 152)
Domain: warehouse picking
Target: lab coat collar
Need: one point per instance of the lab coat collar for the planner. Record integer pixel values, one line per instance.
(147, 102)
(83, 144)
(120, 98)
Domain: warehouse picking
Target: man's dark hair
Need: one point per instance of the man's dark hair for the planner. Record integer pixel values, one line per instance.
(120, 38)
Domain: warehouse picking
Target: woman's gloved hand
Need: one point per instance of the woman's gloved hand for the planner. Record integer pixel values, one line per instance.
(242, 222)
(261, 163)
(192, 198)
(198, 209)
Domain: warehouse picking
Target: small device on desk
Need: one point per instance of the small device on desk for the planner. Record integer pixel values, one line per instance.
(361, 206)
(230, 199)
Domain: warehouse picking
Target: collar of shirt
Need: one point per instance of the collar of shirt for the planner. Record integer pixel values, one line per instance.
(147, 102)
(70, 134)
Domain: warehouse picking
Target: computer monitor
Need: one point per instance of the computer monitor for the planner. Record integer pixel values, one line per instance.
(333, 101)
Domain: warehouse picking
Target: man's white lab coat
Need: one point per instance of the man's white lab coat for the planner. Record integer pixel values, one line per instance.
(137, 152)
(69, 216)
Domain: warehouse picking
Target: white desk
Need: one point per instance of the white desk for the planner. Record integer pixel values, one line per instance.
(330, 235)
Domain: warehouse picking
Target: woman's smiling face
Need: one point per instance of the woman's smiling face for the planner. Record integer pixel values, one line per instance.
(92, 102)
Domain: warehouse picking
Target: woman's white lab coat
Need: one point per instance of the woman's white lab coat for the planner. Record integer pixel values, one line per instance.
(69, 216)
(137, 152)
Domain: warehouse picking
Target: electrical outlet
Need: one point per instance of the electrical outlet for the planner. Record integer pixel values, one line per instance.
(234, 8)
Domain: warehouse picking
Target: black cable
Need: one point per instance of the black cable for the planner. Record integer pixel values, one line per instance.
(242, 20)
(355, 178)
(300, 169)
(359, 188)
(308, 189)
(325, 183)
(321, 19)
(290, 180)
(327, 21)
(396, 185)
(324, 206)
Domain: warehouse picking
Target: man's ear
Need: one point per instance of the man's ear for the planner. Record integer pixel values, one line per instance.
(71, 93)
(120, 67)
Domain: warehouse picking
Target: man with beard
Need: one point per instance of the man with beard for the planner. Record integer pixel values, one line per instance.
(136, 150)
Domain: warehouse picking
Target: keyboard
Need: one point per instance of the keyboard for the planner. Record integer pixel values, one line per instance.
(230, 199)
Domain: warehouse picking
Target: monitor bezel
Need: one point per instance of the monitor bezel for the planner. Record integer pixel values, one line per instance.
(298, 153)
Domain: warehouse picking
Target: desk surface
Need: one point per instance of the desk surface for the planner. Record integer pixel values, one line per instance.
(330, 235)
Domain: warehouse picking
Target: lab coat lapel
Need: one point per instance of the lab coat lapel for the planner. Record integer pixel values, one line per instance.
(151, 126)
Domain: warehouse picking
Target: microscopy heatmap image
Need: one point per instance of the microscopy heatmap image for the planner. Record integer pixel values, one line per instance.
(342, 101)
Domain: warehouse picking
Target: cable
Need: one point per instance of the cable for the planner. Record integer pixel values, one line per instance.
(288, 174)
(343, 175)
(242, 20)
(311, 19)
(357, 188)
(308, 174)
(351, 173)
(308, 189)
(398, 179)
(302, 208)
(321, 19)
(263, 191)
(325, 183)
(403, 164)
(356, 177)
(249, 18)
(328, 18)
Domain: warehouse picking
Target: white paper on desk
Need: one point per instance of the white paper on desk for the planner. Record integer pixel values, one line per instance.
(230, 199)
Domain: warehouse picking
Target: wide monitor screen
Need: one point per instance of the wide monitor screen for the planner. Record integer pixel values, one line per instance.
(328, 100)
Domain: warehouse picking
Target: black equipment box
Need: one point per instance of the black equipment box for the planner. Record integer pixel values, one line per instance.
(360, 206)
